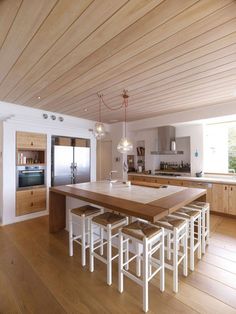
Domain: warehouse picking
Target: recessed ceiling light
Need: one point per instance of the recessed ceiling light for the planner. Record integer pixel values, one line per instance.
(85, 109)
(39, 97)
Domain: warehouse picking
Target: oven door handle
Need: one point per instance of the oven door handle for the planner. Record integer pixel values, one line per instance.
(32, 171)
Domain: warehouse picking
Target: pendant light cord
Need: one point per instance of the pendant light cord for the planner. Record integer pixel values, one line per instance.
(123, 104)
(126, 104)
(100, 110)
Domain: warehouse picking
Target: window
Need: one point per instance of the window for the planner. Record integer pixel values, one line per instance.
(220, 148)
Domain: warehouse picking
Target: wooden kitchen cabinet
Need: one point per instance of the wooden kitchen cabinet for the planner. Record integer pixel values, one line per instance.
(220, 198)
(29, 141)
(232, 199)
(176, 182)
(30, 201)
(201, 185)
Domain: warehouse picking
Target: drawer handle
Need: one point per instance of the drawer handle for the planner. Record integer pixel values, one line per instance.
(32, 192)
(31, 143)
(231, 188)
(225, 188)
(32, 204)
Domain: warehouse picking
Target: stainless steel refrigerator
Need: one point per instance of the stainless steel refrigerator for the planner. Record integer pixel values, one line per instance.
(70, 162)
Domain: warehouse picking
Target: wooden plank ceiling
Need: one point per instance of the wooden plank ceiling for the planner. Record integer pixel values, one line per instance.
(171, 55)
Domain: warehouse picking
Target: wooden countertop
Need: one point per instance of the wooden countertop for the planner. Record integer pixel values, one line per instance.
(138, 201)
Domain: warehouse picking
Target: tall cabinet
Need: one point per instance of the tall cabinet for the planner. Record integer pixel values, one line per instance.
(31, 151)
(224, 198)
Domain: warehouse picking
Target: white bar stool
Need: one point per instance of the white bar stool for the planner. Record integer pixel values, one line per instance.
(152, 239)
(176, 231)
(109, 222)
(84, 213)
(205, 213)
(193, 218)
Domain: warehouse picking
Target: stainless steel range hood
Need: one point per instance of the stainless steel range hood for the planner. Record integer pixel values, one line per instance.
(166, 141)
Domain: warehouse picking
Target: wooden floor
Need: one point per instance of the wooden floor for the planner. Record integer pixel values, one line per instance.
(38, 276)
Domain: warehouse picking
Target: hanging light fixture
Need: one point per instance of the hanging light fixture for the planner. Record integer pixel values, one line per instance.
(99, 130)
(125, 145)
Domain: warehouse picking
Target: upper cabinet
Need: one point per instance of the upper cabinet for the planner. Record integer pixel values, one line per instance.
(31, 141)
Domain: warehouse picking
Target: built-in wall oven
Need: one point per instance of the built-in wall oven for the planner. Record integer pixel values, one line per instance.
(30, 176)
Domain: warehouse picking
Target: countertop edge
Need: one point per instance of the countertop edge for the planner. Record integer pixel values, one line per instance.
(201, 179)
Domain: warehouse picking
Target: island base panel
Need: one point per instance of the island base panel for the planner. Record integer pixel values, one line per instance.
(57, 212)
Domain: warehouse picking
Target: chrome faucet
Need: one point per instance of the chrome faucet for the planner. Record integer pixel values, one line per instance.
(110, 174)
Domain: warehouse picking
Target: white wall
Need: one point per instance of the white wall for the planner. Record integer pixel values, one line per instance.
(198, 114)
(116, 132)
(150, 139)
(196, 133)
(30, 120)
(150, 136)
(182, 144)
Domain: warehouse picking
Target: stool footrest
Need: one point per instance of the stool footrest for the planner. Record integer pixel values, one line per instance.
(132, 277)
(154, 273)
(129, 260)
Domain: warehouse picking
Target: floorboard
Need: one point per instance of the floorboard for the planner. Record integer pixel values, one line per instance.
(38, 276)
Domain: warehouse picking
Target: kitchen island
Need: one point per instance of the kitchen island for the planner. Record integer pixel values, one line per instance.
(142, 202)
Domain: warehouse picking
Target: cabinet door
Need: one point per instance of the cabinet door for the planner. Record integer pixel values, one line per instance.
(151, 179)
(220, 193)
(163, 181)
(232, 200)
(176, 182)
(201, 185)
(139, 178)
(29, 201)
(130, 177)
(26, 140)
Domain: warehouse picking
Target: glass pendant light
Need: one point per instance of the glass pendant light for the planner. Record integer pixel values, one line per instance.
(125, 145)
(99, 129)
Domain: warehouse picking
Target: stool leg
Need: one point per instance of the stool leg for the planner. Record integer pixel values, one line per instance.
(138, 260)
(83, 242)
(150, 265)
(162, 262)
(208, 224)
(168, 245)
(127, 249)
(192, 244)
(70, 236)
(175, 262)
(145, 275)
(109, 261)
(199, 250)
(91, 248)
(185, 250)
(203, 231)
(101, 237)
(127, 255)
(120, 269)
